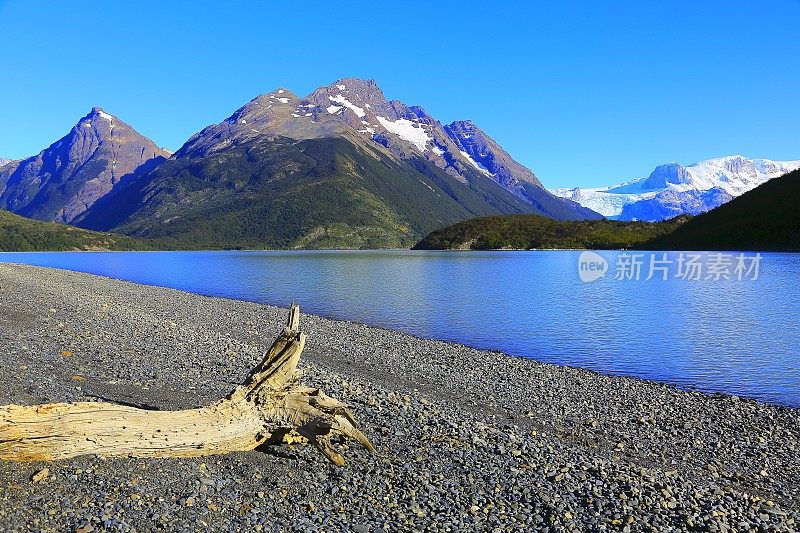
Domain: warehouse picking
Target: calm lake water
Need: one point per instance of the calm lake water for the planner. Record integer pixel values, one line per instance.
(735, 336)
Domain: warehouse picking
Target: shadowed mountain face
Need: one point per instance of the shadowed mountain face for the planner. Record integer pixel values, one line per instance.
(488, 156)
(100, 153)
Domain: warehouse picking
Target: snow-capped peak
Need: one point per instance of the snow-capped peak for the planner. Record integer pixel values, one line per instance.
(97, 118)
(672, 189)
(363, 106)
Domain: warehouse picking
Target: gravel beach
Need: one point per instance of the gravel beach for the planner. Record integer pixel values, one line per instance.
(467, 440)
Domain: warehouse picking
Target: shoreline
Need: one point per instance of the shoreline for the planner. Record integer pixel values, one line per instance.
(671, 385)
(172, 250)
(492, 426)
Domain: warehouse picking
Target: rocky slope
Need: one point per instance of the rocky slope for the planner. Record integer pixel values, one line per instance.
(673, 189)
(61, 182)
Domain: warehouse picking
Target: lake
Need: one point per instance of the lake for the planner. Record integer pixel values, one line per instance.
(726, 335)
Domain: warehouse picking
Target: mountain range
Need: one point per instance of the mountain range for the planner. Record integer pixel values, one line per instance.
(673, 189)
(341, 167)
(765, 218)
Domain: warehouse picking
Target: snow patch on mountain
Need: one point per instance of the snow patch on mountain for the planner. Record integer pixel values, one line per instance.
(407, 130)
(339, 99)
(475, 164)
(105, 116)
(673, 189)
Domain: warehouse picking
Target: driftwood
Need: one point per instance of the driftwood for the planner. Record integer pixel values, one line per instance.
(269, 407)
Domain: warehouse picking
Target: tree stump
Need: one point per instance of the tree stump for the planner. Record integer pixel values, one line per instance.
(270, 406)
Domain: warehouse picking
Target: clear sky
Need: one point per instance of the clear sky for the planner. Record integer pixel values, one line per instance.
(584, 93)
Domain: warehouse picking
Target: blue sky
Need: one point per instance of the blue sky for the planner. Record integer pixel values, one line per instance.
(585, 93)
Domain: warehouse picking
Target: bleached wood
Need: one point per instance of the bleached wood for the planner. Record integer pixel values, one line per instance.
(269, 406)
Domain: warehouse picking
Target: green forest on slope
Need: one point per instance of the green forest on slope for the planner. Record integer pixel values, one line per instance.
(282, 193)
(20, 234)
(527, 232)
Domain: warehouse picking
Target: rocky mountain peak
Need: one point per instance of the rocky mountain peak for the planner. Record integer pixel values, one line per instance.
(65, 179)
(736, 163)
(264, 107)
(272, 98)
(353, 98)
(276, 113)
(463, 125)
(408, 131)
(665, 174)
(354, 89)
(100, 122)
(97, 113)
(486, 154)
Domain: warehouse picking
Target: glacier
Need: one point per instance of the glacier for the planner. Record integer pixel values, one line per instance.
(673, 189)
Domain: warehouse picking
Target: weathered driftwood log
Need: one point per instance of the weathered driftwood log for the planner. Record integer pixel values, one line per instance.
(270, 406)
